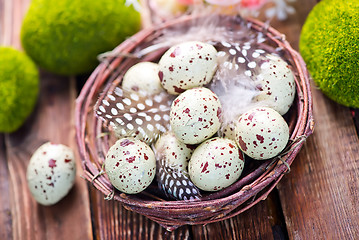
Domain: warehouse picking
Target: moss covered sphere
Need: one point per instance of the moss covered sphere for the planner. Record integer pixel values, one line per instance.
(65, 36)
(19, 87)
(329, 44)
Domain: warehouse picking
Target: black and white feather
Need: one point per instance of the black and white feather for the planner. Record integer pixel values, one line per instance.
(174, 181)
(234, 83)
(137, 115)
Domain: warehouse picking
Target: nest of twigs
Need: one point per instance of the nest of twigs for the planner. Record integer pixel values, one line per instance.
(258, 178)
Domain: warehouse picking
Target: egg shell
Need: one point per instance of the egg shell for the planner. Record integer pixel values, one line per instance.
(51, 173)
(143, 77)
(261, 133)
(177, 153)
(187, 65)
(130, 165)
(276, 84)
(215, 164)
(228, 131)
(195, 115)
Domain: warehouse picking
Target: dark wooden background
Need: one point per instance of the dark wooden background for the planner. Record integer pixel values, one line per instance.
(318, 199)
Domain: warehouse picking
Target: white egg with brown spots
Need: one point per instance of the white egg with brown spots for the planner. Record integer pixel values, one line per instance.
(195, 115)
(261, 133)
(130, 165)
(227, 131)
(176, 153)
(276, 83)
(187, 65)
(216, 164)
(51, 173)
(143, 78)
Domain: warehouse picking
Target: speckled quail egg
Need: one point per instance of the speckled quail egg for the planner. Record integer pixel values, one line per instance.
(51, 173)
(215, 164)
(143, 77)
(261, 133)
(130, 165)
(276, 83)
(187, 65)
(227, 131)
(176, 152)
(195, 115)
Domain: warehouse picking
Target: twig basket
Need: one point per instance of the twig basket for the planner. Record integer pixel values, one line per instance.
(255, 183)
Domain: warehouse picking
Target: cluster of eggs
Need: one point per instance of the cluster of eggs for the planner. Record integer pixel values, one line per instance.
(212, 162)
(191, 145)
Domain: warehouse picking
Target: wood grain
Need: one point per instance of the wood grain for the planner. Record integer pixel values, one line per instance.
(319, 199)
(263, 221)
(321, 196)
(12, 12)
(5, 208)
(51, 121)
(112, 221)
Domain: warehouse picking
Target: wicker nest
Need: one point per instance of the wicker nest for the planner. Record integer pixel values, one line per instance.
(258, 178)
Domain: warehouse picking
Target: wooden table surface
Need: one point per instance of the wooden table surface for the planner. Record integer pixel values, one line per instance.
(318, 199)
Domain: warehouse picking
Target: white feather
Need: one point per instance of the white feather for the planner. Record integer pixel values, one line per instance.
(206, 26)
(235, 91)
(235, 96)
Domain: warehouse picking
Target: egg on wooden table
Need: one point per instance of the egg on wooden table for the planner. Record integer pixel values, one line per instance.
(195, 115)
(130, 165)
(51, 173)
(215, 164)
(187, 65)
(261, 133)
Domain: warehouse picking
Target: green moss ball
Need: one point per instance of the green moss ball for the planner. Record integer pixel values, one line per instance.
(65, 36)
(329, 44)
(19, 87)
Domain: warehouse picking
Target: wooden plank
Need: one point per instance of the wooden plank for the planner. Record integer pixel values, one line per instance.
(51, 121)
(11, 16)
(6, 35)
(263, 221)
(112, 221)
(321, 196)
(5, 211)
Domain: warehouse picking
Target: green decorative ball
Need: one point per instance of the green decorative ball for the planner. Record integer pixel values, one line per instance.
(65, 36)
(329, 44)
(19, 87)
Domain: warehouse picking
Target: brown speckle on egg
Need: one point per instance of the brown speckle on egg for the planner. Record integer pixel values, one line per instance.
(51, 173)
(264, 139)
(187, 108)
(187, 65)
(176, 152)
(276, 84)
(223, 169)
(130, 165)
(143, 77)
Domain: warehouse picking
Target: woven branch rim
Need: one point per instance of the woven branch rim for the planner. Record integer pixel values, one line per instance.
(171, 214)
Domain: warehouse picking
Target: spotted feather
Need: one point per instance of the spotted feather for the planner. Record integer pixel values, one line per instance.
(240, 57)
(236, 80)
(135, 115)
(175, 182)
